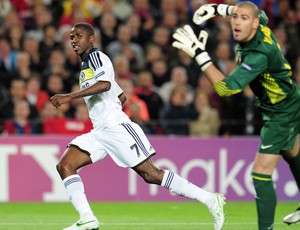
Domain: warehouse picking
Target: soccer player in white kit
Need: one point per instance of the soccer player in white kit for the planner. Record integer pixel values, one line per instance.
(113, 134)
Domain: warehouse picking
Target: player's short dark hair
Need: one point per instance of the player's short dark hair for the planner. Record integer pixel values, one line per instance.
(85, 26)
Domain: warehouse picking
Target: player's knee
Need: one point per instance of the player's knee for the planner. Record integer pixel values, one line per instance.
(63, 168)
(153, 177)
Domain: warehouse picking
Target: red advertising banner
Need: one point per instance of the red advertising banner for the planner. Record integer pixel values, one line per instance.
(28, 170)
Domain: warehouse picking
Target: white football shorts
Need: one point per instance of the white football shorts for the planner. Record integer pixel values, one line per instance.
(126, 144)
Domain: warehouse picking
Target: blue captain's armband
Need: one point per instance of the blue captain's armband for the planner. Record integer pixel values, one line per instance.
(223, 91)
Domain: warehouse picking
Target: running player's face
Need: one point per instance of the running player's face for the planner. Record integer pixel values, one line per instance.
(243, 24)
(80, 40)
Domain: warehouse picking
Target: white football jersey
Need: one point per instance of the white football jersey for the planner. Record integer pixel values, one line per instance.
(105, 109)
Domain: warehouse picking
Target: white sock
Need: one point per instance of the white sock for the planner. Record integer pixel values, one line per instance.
(182, 187)
(76, 194)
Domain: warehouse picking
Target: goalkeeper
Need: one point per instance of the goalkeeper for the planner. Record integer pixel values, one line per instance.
(261, 64)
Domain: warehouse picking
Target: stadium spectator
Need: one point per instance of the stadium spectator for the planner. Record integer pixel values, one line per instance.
(178, 78)
(74, 103)
(170, 20)
(124, 39)
(34, 94)
(20, 123)
(54, 84)
(292, 30)
(146, 91)
(6, 7)
(76, 10)
(11, 18)
(243, 117)
(31, 46)
(107, 24)
(17, 92)
(134, 64)
(222, 57)
(160, 71)
(176, 113)
(138, 34)
(283, 7)
(133, 100)
(191, 67)
(122, 9)
(4, 95)
(62, 125)
(152, 53)
(268, 7)
(15, 34)
(8, 62)
(49, 42)
(161, 37)
(143, 8)
(207, 122)
(63, 35)
(46, 122)
(23, 65)
(121, 65)
(57, 65)
(297, 8)
(41, 16)
(22, 8)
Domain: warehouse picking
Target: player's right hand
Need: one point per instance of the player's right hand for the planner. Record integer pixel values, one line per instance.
(208, 11)
(58, 99)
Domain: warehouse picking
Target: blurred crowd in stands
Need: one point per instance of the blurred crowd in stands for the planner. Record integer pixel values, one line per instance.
(167, 93)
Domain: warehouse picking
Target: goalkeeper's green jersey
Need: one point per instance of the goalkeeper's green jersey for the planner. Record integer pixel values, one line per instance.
(262, 65)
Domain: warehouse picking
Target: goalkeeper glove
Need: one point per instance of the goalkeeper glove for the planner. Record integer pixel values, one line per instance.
(186, 40)
(208, 11)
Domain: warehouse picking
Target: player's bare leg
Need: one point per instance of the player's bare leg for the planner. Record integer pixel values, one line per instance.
(170, 180)
(71, 161)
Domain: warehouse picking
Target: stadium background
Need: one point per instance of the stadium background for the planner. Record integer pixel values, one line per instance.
(37, 61)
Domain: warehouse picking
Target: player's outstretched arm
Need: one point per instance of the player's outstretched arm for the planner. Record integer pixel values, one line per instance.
(99, 87)
(208, 11)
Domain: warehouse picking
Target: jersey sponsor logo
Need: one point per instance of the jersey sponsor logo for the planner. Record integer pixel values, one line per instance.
(266, 146)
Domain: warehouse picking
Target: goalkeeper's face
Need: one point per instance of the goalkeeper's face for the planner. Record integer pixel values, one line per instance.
(244, 24)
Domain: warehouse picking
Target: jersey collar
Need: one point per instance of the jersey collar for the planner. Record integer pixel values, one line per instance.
(85, 56)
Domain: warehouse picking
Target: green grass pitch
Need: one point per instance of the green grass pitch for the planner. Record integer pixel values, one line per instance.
(137, 216)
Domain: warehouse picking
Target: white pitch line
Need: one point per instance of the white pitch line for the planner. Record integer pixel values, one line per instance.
(133, 224)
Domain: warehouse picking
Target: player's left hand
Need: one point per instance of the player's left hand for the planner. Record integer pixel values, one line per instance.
(186, 40)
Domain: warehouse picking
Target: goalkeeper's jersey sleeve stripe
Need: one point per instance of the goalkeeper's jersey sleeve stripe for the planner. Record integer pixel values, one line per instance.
(223, 91)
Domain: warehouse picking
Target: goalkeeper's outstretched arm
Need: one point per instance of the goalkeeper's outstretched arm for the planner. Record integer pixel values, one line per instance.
(208, 11)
